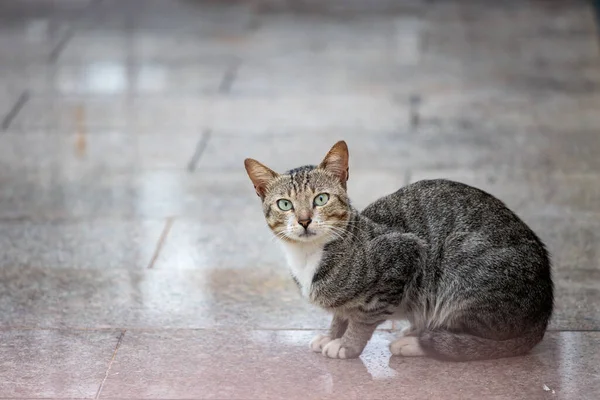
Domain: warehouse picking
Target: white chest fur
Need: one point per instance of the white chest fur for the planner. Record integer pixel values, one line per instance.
(303, 260)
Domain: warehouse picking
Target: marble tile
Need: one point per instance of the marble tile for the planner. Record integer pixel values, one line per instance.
(109, 78)
(90, 191)
(65, 193)
(571, 239)
(259, 114)
(155, 16)
(529, 192)
(461, 146)
(209, 364)
(54, 364)
(325, 74)
(572, 243)
(35, 40)
(260, 297)
(286, 151)
(94, 167)
(96, 244)
(505, 108)
(577, 294)
(233, 242)
(106, 151)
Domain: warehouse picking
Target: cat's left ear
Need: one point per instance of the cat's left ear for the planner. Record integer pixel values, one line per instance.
(260, 175)
(336, 162)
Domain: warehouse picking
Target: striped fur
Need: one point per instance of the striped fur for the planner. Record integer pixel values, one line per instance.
(471, 278)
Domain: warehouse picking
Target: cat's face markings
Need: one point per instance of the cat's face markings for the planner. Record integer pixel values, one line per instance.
(308, 203)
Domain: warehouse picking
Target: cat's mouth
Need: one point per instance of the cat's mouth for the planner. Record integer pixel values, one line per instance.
(307, 234)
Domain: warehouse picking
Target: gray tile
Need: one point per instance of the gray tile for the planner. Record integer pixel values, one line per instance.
(505, 108)
(58, 192)
(378, 39)
(462, 146)
(572, 243)
(64, 193)
(100, 152)
(210, 364)
(241, 242)
(151, 16)
(258, 114)
(577, 294)
(60, 364)
(378, 152)
(393, 38)
(35, 39)
(260, 297)
(529, 192)
(105, 46)
(108, 79)
(306, 75)
(467, 32)
(572, 240)
(97, 244)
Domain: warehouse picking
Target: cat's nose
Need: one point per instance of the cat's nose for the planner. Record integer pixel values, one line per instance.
(305, 222)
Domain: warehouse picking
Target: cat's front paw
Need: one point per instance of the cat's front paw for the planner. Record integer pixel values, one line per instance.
(319, 342)
(335, 349)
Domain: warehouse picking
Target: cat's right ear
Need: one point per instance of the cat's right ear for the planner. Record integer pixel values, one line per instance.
(260, 176)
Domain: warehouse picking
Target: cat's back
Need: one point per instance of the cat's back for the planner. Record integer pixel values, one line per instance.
(440, 207)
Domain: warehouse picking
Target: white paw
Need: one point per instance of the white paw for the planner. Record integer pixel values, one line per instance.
(334, 349)
(319, 342)
(407, 346)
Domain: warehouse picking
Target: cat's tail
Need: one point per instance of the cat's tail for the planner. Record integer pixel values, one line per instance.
(446, 345)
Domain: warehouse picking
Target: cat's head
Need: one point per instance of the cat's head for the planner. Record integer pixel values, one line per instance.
(305, 204)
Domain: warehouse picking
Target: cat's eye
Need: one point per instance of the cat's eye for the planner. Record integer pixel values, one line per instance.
(321, 199)
(284, 204)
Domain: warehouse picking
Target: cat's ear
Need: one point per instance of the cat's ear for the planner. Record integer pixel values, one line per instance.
(260, 176)
(336, 161)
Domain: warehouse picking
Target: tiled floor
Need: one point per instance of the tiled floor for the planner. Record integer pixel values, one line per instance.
(134, 260)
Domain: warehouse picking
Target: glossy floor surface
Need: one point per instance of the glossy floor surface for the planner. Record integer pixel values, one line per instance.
(134, 259)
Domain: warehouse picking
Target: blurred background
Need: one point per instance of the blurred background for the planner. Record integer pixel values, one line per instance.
(134, 258)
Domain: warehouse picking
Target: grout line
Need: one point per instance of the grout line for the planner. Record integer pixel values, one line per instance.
(413, 110)
(200, 148)
(14, 111)
(57, 50)
(229, 77)
(161, 241)
(119, 341)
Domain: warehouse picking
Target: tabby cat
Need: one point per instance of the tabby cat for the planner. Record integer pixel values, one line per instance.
(472, 279)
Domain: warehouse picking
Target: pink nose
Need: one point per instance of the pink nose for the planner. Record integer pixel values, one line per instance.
(305, 222)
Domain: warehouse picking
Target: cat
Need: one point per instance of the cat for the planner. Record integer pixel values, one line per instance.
(472, 279)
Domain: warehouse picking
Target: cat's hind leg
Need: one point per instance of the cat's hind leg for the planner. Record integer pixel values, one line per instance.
(446, 345)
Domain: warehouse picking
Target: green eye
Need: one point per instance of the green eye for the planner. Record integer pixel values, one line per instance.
(321, 199)
(284, 204)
